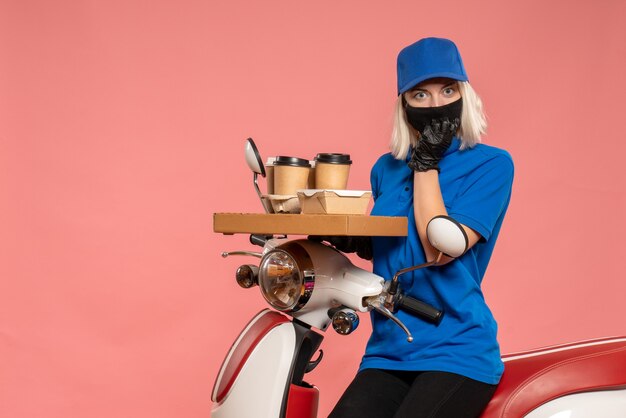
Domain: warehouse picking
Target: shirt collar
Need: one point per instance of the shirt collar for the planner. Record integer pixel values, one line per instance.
(454, 146)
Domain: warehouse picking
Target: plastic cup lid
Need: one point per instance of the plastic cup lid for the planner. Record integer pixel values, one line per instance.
(292, 161)
(333, 158)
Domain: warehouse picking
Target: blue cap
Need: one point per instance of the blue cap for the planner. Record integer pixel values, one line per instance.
(429, 58)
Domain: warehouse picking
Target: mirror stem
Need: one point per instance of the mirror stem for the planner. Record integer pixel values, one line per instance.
(393, 286)
(427, 264)
(258, 192)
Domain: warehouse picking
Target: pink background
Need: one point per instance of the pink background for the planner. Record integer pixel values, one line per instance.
(121, 132)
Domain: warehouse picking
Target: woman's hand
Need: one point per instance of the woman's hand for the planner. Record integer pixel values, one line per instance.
(362, 246)
(432, 144)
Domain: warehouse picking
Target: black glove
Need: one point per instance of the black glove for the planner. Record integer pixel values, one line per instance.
(432, 143)
(362, 246)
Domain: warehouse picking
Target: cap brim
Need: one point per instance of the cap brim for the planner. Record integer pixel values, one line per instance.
(409, 85)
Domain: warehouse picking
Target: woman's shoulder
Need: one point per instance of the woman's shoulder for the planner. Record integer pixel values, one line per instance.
(388, 167)
(387, 161)
(488, 153)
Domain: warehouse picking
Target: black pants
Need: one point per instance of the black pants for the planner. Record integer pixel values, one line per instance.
(380, 393)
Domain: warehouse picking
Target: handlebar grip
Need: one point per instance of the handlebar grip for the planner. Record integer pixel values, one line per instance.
(259, 240)
(420, 308)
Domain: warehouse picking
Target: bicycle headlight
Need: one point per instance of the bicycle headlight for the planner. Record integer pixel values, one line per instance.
(286, 277)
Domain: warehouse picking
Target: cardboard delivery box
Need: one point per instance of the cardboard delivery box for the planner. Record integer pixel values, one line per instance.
(346, 202)
(307, 224)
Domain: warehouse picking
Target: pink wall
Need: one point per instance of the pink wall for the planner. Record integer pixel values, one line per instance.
(121, 132)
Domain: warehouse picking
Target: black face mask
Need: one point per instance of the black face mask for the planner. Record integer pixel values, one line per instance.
(420, 117)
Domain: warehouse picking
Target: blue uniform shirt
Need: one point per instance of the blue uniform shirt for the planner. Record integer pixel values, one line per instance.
(476, 188)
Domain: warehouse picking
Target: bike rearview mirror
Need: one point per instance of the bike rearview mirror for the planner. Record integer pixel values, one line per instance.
(253, 158)
(255, 162)
(447, 236)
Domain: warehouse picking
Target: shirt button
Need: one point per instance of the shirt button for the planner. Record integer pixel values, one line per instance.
(406, 189)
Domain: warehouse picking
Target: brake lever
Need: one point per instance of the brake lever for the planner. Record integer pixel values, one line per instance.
(374, 302)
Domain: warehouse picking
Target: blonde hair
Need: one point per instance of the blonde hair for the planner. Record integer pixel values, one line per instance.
(473, 123)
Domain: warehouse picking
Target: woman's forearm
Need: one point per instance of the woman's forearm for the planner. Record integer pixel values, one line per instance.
(427, 203)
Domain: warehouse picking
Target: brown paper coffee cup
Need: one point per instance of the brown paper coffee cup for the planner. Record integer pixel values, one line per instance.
(269, 174)
(332, 171)
(290, 174)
